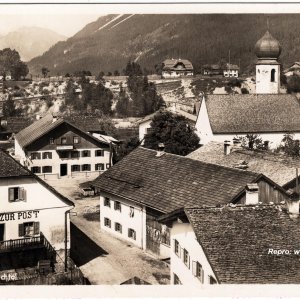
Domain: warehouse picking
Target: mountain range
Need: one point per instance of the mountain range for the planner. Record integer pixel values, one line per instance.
(111, 41)
(30, 41)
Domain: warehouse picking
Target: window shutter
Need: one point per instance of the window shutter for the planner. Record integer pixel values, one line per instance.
(194, 268)
(134, 235)
(50, 155)
(22, 194)
(120, 228)
(189, 262)
(36, 227)
(38, 155)
(11, 194)
(202, 275)
(21, 229)
(109, 223)
(88, 153)
(128, 232)
(120, 207)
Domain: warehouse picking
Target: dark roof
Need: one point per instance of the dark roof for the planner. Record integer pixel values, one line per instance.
(135, 281)
(14, 124)
(171, 64)
(253, 113)
(9, 167)
(170, 181)
(43, 126)
(236, 242)
(86, 123)
(279, 168)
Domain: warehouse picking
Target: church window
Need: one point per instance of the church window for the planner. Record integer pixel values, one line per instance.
(273, 75)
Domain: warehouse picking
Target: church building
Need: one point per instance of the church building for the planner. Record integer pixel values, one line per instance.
(267, 113)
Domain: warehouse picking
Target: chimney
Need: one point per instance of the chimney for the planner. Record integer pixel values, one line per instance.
(174, 107)
(37, 117)
(251, 194)
(161, 148)
(226, 147)
(54, 118)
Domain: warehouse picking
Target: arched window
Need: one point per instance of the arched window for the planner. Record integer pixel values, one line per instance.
(273, 75)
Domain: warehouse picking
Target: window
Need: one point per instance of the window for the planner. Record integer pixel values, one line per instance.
(75, 168)
(131, 212)
(47, 169)
(99, 153)
(99, 167)
(198, 271)
(63, 140)
(47, 155)
(176, 280)
(29, 229)
(131, 234)
(117, 205)
(64, 154)
(212, 280)
(177, 248)
(51, 141)
(273, 75)
(75, 140)
(16, 194)
(86, 153)
(86, 167)
(118, 227)
(186, 258)
(36, 170)
(75, 154)
(107, 202)
(107, 222)
(35, 155)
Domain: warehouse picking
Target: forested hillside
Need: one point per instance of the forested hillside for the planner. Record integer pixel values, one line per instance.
(108, 43)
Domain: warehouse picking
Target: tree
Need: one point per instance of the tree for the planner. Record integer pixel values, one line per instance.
(10, 62)
(290, 146)
(109, 74)
(133, 69)
(123, 107)
(45, 71)
(293, 84)
(116, 73)
(20, 70)
(253, 141)
(174, 131)
(9, 108)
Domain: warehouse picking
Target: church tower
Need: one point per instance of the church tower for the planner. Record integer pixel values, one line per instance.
(267, 50)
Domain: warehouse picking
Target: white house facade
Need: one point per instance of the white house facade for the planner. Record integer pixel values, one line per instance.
(56, 147)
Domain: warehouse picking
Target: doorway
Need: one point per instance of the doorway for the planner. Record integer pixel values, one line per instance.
(63, 169)
(2, 226)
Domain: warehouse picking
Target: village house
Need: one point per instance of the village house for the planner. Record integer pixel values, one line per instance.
(174, 68)
(147, 184)
(54, 146)
(294, 69)
(31, 230)
(9, 126)
(278, 167)
(227, 70)
(231, 70)
(235, 244)
(145, 123)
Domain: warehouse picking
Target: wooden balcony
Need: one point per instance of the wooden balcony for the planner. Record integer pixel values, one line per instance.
(26, 244)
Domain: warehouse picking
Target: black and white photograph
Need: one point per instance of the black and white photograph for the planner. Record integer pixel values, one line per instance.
(149, 146)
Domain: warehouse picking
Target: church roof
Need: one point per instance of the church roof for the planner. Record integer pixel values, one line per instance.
(253, 113)
(267, 47)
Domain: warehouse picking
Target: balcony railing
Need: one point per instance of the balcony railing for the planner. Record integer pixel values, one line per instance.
(26, 243)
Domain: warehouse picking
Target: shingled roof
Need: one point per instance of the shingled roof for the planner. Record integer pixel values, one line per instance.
(10, 168)
(253, 113)
(14, 124)
(279, 168)
(171, 64)
(237, 240)
(168, 182)
(43, 126)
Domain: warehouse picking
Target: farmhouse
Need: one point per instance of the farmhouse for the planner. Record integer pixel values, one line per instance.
(231, 70)
(174, 68)
(9, 126)
(147, 184)
(30, 229)
(54, 146)
(235, 244)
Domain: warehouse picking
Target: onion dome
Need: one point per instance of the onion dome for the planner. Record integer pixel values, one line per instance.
(267, 47)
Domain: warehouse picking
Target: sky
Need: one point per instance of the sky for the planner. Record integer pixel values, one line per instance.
(67, 19)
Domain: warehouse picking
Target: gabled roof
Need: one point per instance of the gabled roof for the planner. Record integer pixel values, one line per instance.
(253, 113)
(237, 240)
(43, 126)
(170, 181)
(10, 168)
(279, 168)
(171, 63)
(86, 123)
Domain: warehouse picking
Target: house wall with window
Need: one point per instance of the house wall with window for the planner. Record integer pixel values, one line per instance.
(189, 265)
(129, 215)
(28, 208)
(143, 127)
(64, 146)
